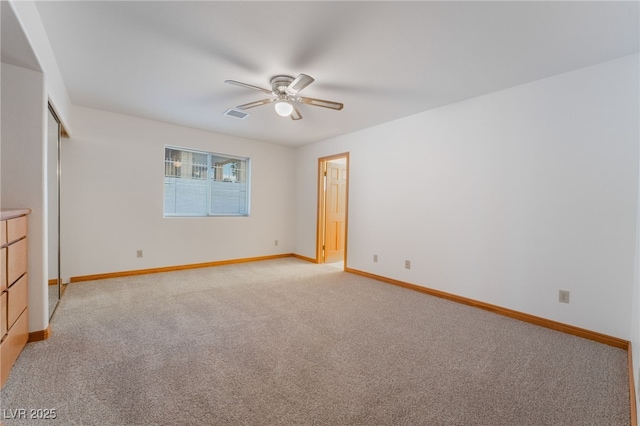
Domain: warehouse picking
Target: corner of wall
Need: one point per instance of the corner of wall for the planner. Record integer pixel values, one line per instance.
(55, 89)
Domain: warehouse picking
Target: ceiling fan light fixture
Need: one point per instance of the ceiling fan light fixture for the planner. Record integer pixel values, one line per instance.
(284, 108)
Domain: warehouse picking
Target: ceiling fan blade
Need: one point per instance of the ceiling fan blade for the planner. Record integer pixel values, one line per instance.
(299, 83)
(295, 115)
(248, 86)
(322, 103)
(255, 104)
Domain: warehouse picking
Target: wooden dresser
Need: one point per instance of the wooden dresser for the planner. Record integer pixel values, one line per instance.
(14, 322)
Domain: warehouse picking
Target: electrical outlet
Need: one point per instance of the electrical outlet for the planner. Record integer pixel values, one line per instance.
(375, 257)
(139, 253)
(563, 296)
(407, 264)
(275, 243)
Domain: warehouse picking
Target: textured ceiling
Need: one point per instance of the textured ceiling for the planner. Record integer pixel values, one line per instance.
(167, 61)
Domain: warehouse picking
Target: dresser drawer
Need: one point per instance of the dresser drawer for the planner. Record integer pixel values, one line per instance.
(3, 269)
(3, 315)
(16, 300)
(3, 232)
(12, 345)
(16, 228)
(16, 260)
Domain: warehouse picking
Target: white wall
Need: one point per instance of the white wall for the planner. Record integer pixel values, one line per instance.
(635, 314)
(112, 198)
(23, 173)
(504, 198)
(30, 20)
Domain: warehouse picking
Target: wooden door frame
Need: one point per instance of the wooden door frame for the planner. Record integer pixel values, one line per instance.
(320, 222)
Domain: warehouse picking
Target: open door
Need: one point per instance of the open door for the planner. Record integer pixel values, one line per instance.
(332, 212)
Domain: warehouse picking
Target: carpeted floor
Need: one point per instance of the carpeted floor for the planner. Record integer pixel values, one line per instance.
(286, 342)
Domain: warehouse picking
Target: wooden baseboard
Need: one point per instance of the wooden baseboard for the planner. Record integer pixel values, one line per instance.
(36, 336)
(632, 388)
(53, 282)
(301, 257)
(174, 268)
(543, 322)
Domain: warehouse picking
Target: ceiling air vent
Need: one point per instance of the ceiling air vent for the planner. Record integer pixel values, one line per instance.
(236, 113)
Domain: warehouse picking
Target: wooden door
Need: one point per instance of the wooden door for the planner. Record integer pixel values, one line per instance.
(335, 211)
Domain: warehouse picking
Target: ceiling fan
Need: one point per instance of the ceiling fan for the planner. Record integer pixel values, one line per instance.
(284, 90)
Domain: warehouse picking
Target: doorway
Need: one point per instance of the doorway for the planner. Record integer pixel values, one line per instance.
(333, 196)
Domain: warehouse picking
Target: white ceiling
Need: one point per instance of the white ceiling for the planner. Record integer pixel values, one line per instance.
(167, 61)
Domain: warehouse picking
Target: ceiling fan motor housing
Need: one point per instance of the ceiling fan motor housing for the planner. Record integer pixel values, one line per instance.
(280, 83)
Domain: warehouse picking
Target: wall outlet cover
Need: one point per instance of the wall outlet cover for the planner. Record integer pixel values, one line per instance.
(563, 296)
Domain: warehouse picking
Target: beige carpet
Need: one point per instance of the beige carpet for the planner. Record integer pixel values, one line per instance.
(286, 342)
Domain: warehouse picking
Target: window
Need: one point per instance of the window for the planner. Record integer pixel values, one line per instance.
(205, 184)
